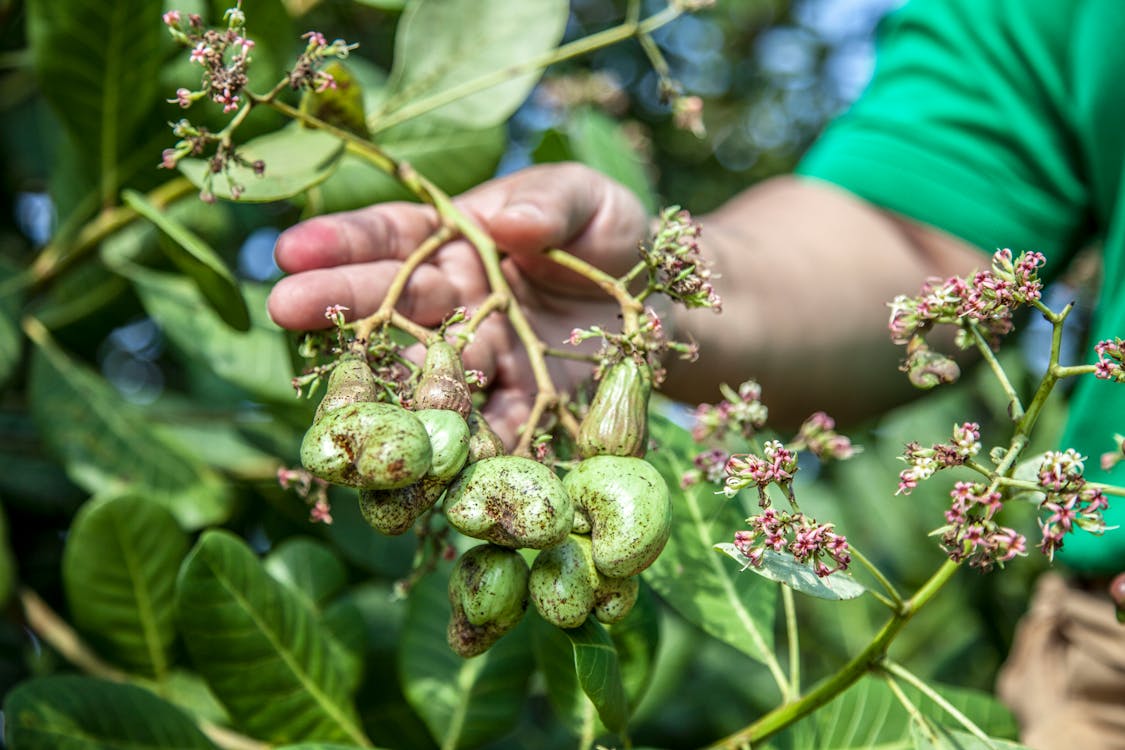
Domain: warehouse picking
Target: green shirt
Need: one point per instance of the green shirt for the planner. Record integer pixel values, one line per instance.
(1003, 122)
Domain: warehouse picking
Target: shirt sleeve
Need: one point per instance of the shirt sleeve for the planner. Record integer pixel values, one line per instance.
(966, 126)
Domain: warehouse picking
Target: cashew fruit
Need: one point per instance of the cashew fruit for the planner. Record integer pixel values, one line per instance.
(511, 501)
(394, 512)
(449, 441)
(350, 382)
(487, 595)
(629, 510)
(443, 385)
(617, 422)
(367, 445)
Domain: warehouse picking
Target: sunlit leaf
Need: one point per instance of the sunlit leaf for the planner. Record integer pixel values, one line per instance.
(464, 702)
(295, 159)
(120, 564)
(443, 44)
(67, 712)
(198, 262)
(106, 444)
(595, 662)
(390, 5)
(308, 567)
(698, 583)
(260, 647)
(784, 569)
(257, 361)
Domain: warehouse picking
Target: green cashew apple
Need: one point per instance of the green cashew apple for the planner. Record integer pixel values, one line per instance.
(487, 595)
(629, 510)
(394, 512)
(510, 501)
(617, 422)
(351, 382)
(615, 598)
(367, 445)
(449, 441)
(564, 581)
(483, 442)
(443, 385)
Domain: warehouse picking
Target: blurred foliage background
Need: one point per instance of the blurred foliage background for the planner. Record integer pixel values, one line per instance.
(134, 387)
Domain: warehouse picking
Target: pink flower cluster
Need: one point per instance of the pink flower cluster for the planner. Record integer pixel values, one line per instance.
(306, 73)
(1111, 360)
(740, 412)
(313, 490)
(776, 465)
(818, 436)
(971, 532)
(224, 56)
(923, 462)
(802, 537)
(676, 264)
(1070, 502)
(987, 298)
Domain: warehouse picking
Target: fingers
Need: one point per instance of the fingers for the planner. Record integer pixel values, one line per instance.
(383, 232)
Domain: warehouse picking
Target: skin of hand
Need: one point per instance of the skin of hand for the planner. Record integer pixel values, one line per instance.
(805, 271)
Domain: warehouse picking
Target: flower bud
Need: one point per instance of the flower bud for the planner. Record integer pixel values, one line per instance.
(443, 383)
(617, 422)
(351, 382)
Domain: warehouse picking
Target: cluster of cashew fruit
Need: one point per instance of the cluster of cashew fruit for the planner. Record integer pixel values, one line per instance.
(595, 529)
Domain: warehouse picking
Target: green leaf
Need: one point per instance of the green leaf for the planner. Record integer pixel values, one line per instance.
(342, 104)
(784, 569)
(67, 712)
(595, 662)
(738, 610)
(119, 571)
(308, 567)
(554, 655)
(464, 702)
(442, 44)
(257, 361)
(11, 341)
(98, 65)
(599, 141)
(260, 647)
(637, 638)
(453, 159)
(295, 158)
(928, 736)
(197, 261)
(388, 5)
(868, 715)
(106, 444)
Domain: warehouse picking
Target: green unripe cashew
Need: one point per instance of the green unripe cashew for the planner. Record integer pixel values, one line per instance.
(487, 595)
(449, 441)
(483, 442)
(629, 510)
(367, 445)
(510, 501)
(394, 512)
(617, 422)
(443, 385)
(615, 598)
(564, 581)
(351, 382)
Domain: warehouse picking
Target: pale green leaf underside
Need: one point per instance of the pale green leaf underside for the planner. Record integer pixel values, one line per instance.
(785, 570)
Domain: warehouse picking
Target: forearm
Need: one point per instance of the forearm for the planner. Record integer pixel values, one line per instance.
(806, 271)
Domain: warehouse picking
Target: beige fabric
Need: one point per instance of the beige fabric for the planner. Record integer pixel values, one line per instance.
(1065, 676)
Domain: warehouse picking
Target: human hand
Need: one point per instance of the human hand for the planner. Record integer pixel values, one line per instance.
(349, 259)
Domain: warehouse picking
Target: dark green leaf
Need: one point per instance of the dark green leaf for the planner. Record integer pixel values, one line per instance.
(688, 575)
(784, 569)
(637, 638)
(11, 341)
(98, 64)
(257, 361)
(464, 702)
(7, 561)
(595, 662)
(442, 45)
(81, 713)
(454, 160)
(554, 655)
(119, 570)
(390, 5)
(309, 567)
(928, 736)
(295, 158)
(260, 647)
(107, 445)
(197, 261)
